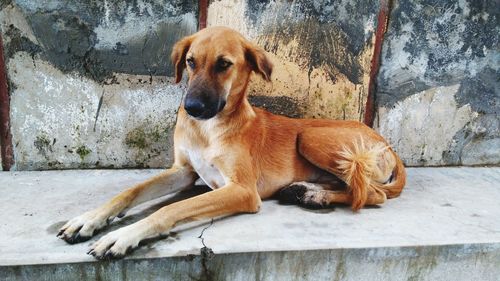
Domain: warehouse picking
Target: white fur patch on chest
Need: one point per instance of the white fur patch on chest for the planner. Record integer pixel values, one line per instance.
(205, 169)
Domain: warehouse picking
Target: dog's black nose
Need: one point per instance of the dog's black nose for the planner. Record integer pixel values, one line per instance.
(194, 107)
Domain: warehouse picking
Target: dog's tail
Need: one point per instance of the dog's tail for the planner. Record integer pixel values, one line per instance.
(362, 168)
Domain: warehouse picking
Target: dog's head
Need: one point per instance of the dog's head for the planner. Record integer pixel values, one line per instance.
(219, 62)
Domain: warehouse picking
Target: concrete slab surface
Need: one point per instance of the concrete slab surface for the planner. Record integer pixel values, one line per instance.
(441, 208)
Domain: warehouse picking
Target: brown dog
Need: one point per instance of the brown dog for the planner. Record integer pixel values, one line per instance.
(243, 153)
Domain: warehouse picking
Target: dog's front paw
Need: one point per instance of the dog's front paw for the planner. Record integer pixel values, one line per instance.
(83, 227)
(116, 244)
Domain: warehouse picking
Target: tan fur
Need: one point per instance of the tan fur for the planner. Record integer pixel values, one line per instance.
(360, 167)
(256, 153)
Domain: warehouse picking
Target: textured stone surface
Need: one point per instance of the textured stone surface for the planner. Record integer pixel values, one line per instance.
(443, 227)
(451, 49)
(89, 81)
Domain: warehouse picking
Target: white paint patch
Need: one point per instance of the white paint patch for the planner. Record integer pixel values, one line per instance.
(465, 7)
(53, 115)
(421, 127)
(370, 27)
(229, 13)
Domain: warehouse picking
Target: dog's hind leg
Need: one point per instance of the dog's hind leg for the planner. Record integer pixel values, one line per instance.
(358, 156)
(318, 196)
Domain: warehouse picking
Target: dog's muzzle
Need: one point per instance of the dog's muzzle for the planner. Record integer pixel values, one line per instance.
(203, 106)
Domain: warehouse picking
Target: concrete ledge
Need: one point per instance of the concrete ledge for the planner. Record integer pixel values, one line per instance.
(445, 226)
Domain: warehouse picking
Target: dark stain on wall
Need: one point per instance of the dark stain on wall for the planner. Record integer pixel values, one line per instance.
(481, 92)
(19, 43)
(67, 36)
(149, 55)
(454, 39)
(68, 43)
(281, 105)
(328, 34)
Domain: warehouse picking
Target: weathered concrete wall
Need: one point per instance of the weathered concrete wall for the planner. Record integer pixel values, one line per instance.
(89, 81)
(438, 88)
(321, 52)
(90, 59)
(90, 87)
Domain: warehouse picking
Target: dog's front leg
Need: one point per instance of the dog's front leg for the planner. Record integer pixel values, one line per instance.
(82, 228)
(230, 199)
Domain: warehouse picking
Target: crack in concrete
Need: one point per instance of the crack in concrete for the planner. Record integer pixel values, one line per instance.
(206, 254)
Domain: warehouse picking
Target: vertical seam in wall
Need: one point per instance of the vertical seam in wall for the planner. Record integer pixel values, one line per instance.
(203, 12)
(5, 135)
(382, 24)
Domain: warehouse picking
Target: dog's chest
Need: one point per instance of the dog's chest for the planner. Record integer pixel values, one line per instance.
(205, 169)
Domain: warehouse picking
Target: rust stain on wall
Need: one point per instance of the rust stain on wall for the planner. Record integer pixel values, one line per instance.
(383, 20)
(5, 135)
(202, 13)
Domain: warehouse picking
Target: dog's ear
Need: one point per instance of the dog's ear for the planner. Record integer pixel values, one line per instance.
(258, 61)
(179, 56)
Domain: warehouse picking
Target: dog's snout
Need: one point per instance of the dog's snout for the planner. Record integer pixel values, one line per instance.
(203, 104)
(195, 107)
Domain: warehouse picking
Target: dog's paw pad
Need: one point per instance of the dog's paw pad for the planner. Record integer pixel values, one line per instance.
(292, 194)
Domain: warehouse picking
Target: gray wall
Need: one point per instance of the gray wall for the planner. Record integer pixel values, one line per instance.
(91, 87)
(438, 86)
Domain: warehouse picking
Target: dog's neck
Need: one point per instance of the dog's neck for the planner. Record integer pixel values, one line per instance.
(237, 107)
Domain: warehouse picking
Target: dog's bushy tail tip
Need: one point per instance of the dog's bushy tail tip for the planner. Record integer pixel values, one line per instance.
(358, 163)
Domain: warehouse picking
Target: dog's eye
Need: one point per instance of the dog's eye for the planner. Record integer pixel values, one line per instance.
(190, 63)
(222, 65)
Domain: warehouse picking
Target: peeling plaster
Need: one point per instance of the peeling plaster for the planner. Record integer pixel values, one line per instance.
(421, 127)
